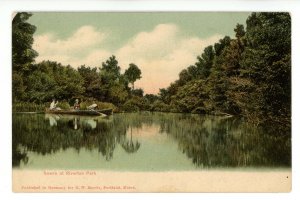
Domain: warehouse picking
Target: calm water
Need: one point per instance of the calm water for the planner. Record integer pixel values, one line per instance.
(145, 142)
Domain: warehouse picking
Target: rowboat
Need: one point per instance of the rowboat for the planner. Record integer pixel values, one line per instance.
(80, 112)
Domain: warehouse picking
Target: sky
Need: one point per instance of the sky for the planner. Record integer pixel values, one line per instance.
(161, 44)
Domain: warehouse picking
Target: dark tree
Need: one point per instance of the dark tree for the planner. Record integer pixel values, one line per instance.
(22, 53)
(133, 73)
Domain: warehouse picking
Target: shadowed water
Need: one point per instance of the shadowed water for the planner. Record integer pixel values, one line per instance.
(146, 142)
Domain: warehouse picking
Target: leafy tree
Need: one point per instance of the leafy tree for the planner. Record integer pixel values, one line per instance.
(267, 57)
(114, 86)
(22, 53)
(221, 45)
(138, 92)
(92, 82)
(111, 69)
(22, 39)
(249, 74)
(151, 97)
(205, 62)
(184, 77)
(52, 80)
(164, 95)
(192, 96)
(41, 87)
(133, 73)
(239, 31)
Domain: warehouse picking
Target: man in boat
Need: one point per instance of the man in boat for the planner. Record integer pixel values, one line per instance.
(76, 105)
(53, 105)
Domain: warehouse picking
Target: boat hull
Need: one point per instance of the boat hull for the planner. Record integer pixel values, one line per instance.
(75, 112)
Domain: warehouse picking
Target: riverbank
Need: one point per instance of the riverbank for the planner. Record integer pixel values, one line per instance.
(179, 181)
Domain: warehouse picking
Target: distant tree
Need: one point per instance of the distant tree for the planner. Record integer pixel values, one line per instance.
(221, 45)
(164, 95)
(52, 80)
(138, 92)
(92, 82)
(113, 85)
(133, 73)
(205, 62)
(151, 97)
(239, 31)
(110, 68)
(184, 77)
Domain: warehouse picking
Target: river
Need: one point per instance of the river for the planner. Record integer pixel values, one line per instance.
(146, 142)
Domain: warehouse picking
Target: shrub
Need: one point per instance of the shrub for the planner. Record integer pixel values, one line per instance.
(28, 107)
(160, 106)
(131, 106)
(63, 105)
(101, 105)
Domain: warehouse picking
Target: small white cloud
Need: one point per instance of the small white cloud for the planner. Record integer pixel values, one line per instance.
(68, 51)
(151, 45)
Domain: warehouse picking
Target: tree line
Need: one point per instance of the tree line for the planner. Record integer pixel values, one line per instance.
(248, 75)
(41, 82)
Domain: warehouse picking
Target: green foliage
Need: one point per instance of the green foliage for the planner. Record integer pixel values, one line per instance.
(191, 96)
(132, 74)
(138, 92)
(205, 62)
(18, 87)
(28, 107)
(160, 106)
(49, 80)
(136, 104)
(111, 69)
(22, 40)
(249, 75)
(101, 105)
(92, 82)
(22, 53)
(151, 98)
(131, 106)
(64, 105)
(268, 60)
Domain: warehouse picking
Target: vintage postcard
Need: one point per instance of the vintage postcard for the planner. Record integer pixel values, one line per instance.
(151, 102)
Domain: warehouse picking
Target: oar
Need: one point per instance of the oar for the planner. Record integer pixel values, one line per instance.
(101, 114)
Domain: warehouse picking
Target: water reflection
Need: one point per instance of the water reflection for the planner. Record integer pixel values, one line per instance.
(130, 146)
(199, 141)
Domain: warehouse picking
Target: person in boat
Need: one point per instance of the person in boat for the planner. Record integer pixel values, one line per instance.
(76, 105)
(53, 105)
(93, 106)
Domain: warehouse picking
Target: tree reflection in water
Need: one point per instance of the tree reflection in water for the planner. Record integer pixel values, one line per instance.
(208, 141)
(130, 146)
